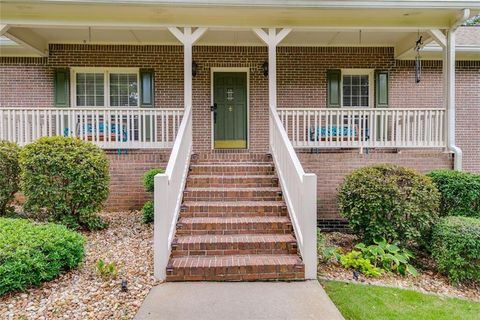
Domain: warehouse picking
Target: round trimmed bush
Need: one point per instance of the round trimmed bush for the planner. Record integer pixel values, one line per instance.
(9, 174)
(456, 248)
(460, 192)
(65, 180)
(33, 253)
(389, 202)
(148, 212)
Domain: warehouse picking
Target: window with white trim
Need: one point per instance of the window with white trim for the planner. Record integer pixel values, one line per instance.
(357, 88)
(105, 87)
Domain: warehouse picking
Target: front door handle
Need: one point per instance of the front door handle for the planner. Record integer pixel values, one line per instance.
(214, 110)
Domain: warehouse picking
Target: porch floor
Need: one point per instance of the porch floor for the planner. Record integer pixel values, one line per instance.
(239, 300)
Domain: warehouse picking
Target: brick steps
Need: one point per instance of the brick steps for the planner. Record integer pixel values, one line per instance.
(236, 268)
(232, 181)
(234, 244)
(233, 208)
(234, 225)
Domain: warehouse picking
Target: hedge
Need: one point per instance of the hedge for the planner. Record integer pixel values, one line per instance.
(9, 174)
(66, 180)
(456, 248)
(33, 253)
(460, 192)
(389, 202)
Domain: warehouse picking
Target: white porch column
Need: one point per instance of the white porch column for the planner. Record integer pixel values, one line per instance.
(449, 87)
(272, 39)
(188, 39)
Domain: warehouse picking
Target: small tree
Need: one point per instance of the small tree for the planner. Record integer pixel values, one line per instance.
(389, 202)
(66, 180)
(9, 174)
(149, 184)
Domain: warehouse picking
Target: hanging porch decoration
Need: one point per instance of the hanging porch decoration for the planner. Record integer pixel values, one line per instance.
(418, 59)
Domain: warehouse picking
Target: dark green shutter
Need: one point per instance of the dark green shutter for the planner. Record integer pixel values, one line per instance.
(147, 85)
(334, 88)
(61, 87)
(381, 89)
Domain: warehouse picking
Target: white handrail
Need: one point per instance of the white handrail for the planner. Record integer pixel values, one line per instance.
(365, 127)
(109, 128)
(168, 194)
(300, 193)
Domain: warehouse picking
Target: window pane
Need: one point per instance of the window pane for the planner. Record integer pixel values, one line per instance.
(355, 91)
(123, 89)
(89, 89)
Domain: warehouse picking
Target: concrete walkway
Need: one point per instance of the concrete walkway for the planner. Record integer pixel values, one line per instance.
(238, 300)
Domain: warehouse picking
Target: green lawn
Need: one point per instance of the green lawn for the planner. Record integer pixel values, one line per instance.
(358, 301)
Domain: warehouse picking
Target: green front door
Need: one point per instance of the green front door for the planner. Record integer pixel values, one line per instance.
(230, 99)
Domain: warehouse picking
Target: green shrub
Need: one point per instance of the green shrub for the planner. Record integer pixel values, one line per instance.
(33, 253)
(456, 248)
(9, 174)
(388, 257)
(107, 271)
(460, 192)
(354, 260)
(148, 178)
(148, 212)
(389, 202)
(65, 179)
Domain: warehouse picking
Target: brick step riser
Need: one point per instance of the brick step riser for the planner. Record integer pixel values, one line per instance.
(220, 214)
(231, 157)
(234, 228)
(232, 171)
(229, 182)
(244, 273)
(258, 210)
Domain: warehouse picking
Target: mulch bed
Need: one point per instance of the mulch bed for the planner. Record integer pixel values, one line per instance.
(427, 281)
(82, 293)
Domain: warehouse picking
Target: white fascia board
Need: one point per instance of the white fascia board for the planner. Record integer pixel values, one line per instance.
(433, 4)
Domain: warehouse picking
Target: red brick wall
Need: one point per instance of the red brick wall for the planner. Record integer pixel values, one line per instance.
(301, 82)
(331, 168)
(126, 177)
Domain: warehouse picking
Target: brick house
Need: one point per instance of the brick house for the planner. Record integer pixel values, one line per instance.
(257, 127)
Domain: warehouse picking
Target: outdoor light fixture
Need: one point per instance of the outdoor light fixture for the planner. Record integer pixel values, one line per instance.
(265, 68)
(194, 69)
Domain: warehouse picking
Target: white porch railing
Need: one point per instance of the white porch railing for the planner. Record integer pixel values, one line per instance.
(168, 194)
(300, 192)
(118, 128)
(364, 127)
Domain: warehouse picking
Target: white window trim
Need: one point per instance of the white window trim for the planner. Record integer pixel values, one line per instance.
(106, 84)
(371, 84)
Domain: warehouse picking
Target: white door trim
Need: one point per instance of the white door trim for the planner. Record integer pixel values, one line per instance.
(229, 69)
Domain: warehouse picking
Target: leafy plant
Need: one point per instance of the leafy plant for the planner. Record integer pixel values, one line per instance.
(460, 192)
(149, 177)
(9, 174)
(388, 257)
(355, 260)
(65, 180)
(106, 270)
(389, 202)
(33, 253)
(331, 254)
(456, 248)
(148, 212)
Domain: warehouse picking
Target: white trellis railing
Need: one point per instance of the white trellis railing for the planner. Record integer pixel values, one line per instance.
(365, 127)
(109, 128)
(300, 193)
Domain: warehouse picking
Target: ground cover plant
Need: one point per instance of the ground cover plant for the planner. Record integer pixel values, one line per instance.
(33, 253)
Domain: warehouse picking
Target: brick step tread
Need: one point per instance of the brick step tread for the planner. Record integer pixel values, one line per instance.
(234, 225)
(232, 194)
(235, 238)
(231, 177)
(233, 164)
(230, 204)
(235, 260)
(228, 189)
